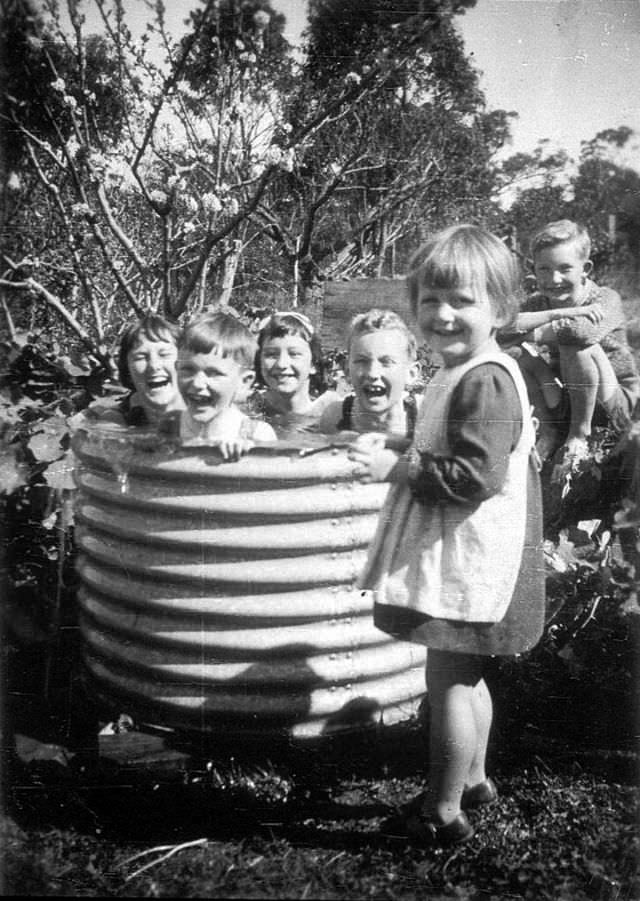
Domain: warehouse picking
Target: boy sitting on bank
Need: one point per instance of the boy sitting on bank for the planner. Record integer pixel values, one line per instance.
(215, 372)
(591, 378)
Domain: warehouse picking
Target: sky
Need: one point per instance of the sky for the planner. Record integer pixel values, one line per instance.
(569, 68)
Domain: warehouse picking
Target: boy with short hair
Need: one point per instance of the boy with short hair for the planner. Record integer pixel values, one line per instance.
(381, 362)
(593, 379)
(216, 353)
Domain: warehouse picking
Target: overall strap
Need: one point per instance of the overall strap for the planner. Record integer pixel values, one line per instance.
(411, 410)
(346, 420)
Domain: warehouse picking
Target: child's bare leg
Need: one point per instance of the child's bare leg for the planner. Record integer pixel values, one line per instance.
(545, 395)
(589, 377)
(483, 716)
(537, 371)
(452, 680)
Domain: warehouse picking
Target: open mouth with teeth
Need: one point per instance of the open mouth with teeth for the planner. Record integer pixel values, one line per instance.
(159, 382)
(374, 393)
(198, 400)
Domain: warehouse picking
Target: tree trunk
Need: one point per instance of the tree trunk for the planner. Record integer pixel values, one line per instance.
(229, 273)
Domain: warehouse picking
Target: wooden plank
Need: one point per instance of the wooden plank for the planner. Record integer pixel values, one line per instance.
(343, 300)
(142, 750)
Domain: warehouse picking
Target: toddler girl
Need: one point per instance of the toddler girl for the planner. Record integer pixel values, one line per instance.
(456, 563)
(381, 361)
(289, 364)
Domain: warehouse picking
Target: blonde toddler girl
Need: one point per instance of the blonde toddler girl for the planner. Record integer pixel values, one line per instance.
(456, 563)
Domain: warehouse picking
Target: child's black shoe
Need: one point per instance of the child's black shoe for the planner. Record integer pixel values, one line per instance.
(478, 795)
(422, 831)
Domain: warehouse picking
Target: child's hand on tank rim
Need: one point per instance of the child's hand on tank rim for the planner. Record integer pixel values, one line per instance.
(375, 459)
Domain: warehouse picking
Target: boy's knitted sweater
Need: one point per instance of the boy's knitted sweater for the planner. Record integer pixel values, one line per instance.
(610, 333)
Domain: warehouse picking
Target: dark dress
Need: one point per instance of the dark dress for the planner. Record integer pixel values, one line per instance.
(484, 425)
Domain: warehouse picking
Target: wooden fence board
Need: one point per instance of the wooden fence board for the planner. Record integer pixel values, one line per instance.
(343, 300)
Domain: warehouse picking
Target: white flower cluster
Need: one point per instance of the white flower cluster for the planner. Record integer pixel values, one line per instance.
(211, 203)
(80, 209)
(158, 196)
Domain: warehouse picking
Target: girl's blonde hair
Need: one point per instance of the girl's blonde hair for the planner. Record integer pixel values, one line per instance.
(467, 255)
(382, 320)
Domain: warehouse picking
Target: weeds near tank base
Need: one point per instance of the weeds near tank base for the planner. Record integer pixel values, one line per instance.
(310, 827)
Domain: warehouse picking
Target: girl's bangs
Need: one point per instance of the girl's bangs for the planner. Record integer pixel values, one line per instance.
(279, 325)
(452, 267)
(156, 332)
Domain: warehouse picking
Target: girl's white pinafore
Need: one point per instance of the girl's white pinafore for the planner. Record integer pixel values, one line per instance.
(453, 562)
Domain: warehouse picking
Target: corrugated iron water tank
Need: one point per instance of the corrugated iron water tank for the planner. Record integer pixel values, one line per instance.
(220, 597)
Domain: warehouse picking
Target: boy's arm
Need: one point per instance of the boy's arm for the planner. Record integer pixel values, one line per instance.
(583, 332)
(534, 321)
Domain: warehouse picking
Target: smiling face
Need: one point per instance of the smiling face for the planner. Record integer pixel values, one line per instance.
(457, 323)
(286, 365)
(379, 367)
(152, 368)
(211, 382)
(560, 272)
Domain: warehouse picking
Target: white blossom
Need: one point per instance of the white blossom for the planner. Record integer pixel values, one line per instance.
(58, 85)
(273, 155)
(72, 146)
(158, 196)
(352, 78)
(13, 182)
(261, 19)
(211, 203)
(288, 160)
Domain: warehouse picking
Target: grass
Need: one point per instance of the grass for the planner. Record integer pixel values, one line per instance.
(309, 824)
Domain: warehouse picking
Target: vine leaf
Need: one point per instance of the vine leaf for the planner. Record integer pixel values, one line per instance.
(13, 473)
(46, 444)
(59, 474)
